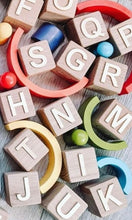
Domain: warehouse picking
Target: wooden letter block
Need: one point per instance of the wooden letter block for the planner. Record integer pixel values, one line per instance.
(73, 62)
(107, 76)
(79, 165)
(26, 149)
(121, 35)
(36, 58)
(60, 116)
(3, 215)
(23, 13)
(87, 29)
(59, 11)
(113, 119)
(16, 104)
(63, 203)
(22, 188)
(104, 196)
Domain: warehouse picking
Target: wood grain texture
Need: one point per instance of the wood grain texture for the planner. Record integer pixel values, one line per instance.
(51, 81)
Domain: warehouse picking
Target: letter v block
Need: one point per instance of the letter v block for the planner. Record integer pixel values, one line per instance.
(22, 188)
(16, 104)
(3, 215)
(104, 196)
(113, 119)
(60, 116)
(79, 165)
(107, 76)
(26, 149)
(63, 203)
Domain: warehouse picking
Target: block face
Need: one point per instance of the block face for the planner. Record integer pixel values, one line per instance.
(60, 116)
(121, 34)
(59, 11)
(63, 203)
(104, 196)
(26, 149)
(113, 119)
(73, 62)
(87, 29)
(107, 76)
(26, 191)
(16, 104)
(23, 14)
(3, 214)
(36, 58)
(79, 165)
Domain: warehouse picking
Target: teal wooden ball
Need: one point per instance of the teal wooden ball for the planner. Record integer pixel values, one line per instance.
(105, 49)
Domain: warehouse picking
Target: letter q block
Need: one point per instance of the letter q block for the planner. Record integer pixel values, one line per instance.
(104, 196)
(73, 62)
(113, 119)
(3, 215)
(107, 76)
(36, 58)
(16, 104)
(60, 116)
(87, 29)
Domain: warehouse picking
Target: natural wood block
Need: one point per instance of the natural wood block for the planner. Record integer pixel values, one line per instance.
(63, 203)
(59, 11)
(60, 116)
(87, 29)
(26, 149)
(36, 58)
(16, 104)
(26, 190)
(79, 165)
(73, 62)
(121, 35)
(23, 13)
(113, 119)
(107, 76)
(3, 215)
(104, 196)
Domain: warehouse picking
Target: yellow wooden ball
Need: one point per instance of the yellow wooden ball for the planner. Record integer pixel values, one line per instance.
(5, 32)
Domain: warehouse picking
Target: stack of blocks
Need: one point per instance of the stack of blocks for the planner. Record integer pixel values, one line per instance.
(102, 195)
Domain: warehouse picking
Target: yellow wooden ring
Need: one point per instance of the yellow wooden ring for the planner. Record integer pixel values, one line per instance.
(55, 156)
(5, 32)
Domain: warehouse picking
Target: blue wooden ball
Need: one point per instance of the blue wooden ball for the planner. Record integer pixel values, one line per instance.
(105, 49)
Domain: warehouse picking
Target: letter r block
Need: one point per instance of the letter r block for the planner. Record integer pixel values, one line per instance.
(63, 203)
(107, 76)
(113, 119)
(87, 30)
(16, 104)
(60, 116)
(104, 196)
(3, 215)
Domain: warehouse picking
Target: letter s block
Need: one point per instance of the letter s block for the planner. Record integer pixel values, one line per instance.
(87, 30)
(3, 215)
(107, 76)
(60, 116)
(63, 203)
(104, 196)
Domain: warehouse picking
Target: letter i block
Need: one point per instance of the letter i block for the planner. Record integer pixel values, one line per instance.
(107, 76)
(79, 165)
(104, 196)
(87, 30)
(63, 203)
(26, 149)
(121, 35)
(59, 11)
(22, 188)
(23, 13)
(16, 104)
(36, 58)
(113, 119)
(60, 116)
(3, 215)
(73, 62)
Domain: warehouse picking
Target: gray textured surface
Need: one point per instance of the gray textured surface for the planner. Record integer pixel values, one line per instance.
(51, 81)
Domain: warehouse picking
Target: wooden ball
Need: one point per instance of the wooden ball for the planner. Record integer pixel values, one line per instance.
(5, 32)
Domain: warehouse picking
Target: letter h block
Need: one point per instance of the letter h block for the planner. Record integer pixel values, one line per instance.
(60, 116)
(3, 215)
(16, 104)
(104, 196)
(63, 203)
(107, 76)
(113, 119)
